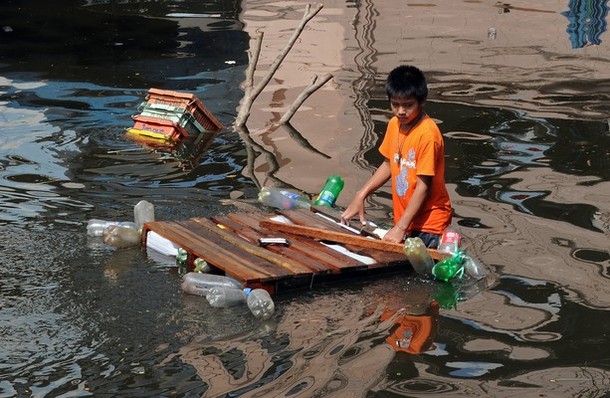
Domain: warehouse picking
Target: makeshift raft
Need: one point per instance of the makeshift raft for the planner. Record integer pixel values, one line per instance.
(232, 244)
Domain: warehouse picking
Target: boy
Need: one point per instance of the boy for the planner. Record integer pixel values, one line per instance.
(415, 161)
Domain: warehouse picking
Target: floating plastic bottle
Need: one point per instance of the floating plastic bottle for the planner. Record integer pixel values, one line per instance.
(260, 303)
(449, 268)
(450, 241)
(200, 284)
(124, 234)
(181, 259)
(201, 265)
(418, 255)
(330, 192)
(282, 199)
(473, 268)
(225, 296)
(143, 212)
(96, 227)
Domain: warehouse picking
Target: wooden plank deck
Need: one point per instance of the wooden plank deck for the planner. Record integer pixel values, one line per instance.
(230, 244)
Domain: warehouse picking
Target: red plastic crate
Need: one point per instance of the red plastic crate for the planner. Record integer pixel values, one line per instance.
(187, 101)
(172, 130)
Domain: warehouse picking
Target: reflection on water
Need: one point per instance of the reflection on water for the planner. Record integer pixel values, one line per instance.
(587, 21)
(79, 318)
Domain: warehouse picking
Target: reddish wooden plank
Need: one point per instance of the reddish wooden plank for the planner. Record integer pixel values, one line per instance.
(340, 237)
(308, 218)
(254, 262)
(252, 236)
(242, 266)
(290, 266)
(309, 252)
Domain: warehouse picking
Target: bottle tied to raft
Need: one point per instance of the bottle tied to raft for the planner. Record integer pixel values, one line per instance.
(283, 199)
(200, 284)
(96, 227)
(260, 303)
(450, 241)
(330, 192)
(225, 296)
(122, 235)
(143, 212)
(450, 267)
(418, 255)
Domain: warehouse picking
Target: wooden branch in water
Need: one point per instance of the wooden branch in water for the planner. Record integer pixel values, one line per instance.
(251, 95)
(254, 53)
(313, 86)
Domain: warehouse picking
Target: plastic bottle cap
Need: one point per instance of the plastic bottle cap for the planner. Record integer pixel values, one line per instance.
(247, 291)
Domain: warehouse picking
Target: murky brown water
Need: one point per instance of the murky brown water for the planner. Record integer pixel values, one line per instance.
(525, 114)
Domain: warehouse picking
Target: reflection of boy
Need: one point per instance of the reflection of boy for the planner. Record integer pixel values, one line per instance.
(414, 334)
(415, 161)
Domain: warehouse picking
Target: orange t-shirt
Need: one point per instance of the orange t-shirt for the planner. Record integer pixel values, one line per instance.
(419, 152)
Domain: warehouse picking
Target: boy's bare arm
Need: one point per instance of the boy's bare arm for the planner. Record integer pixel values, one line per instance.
(356, 207)
(397, 233)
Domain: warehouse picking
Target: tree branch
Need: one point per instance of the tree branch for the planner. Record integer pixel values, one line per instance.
(251, 95)
(313, 86)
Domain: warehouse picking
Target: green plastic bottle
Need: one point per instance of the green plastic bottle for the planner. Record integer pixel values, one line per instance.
(449, 268)
(329, 194)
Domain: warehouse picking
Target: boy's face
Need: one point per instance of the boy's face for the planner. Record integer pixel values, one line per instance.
(406, 109)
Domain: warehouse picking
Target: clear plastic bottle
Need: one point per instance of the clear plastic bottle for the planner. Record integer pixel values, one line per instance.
(96, 227)
(473, 268)
(418, 255)
(125, 234)
(143, 212)
(330, 192)
(260, 303)
(282, 199)
(224, 296)
(450, 241)
(200, 284)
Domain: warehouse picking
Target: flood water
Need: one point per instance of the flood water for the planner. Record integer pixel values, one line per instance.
(521, 95)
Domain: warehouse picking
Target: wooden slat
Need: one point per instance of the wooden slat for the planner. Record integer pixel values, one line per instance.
(232, 262)
(293, 267)
(289, 252)
(340, 237)
(307, 251)
(311, 219)
(312, 247)
(308, 218)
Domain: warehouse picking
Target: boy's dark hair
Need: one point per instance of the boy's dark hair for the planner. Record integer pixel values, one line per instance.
(407, 81)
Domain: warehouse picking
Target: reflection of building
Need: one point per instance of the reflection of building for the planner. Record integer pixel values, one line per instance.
(413, 334)
(587, 21)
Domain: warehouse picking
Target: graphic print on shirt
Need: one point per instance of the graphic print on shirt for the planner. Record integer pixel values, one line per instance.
(402, 179)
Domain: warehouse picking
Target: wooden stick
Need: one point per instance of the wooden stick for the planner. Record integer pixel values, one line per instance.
(340, 237)
(313, 86)
(252, 93)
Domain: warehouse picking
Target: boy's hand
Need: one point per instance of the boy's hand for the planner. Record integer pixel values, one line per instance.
(395, 235)
(355, 207)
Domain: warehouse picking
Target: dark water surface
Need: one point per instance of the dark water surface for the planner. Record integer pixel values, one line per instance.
(80, 318)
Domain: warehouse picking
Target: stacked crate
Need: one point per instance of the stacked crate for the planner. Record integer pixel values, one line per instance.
(170, 116)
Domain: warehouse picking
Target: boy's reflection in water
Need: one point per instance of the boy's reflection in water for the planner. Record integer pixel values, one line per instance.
(413, 333)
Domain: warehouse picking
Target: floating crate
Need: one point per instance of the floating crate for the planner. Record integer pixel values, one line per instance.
(186, 101)
(158, 128)
(174, 114)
